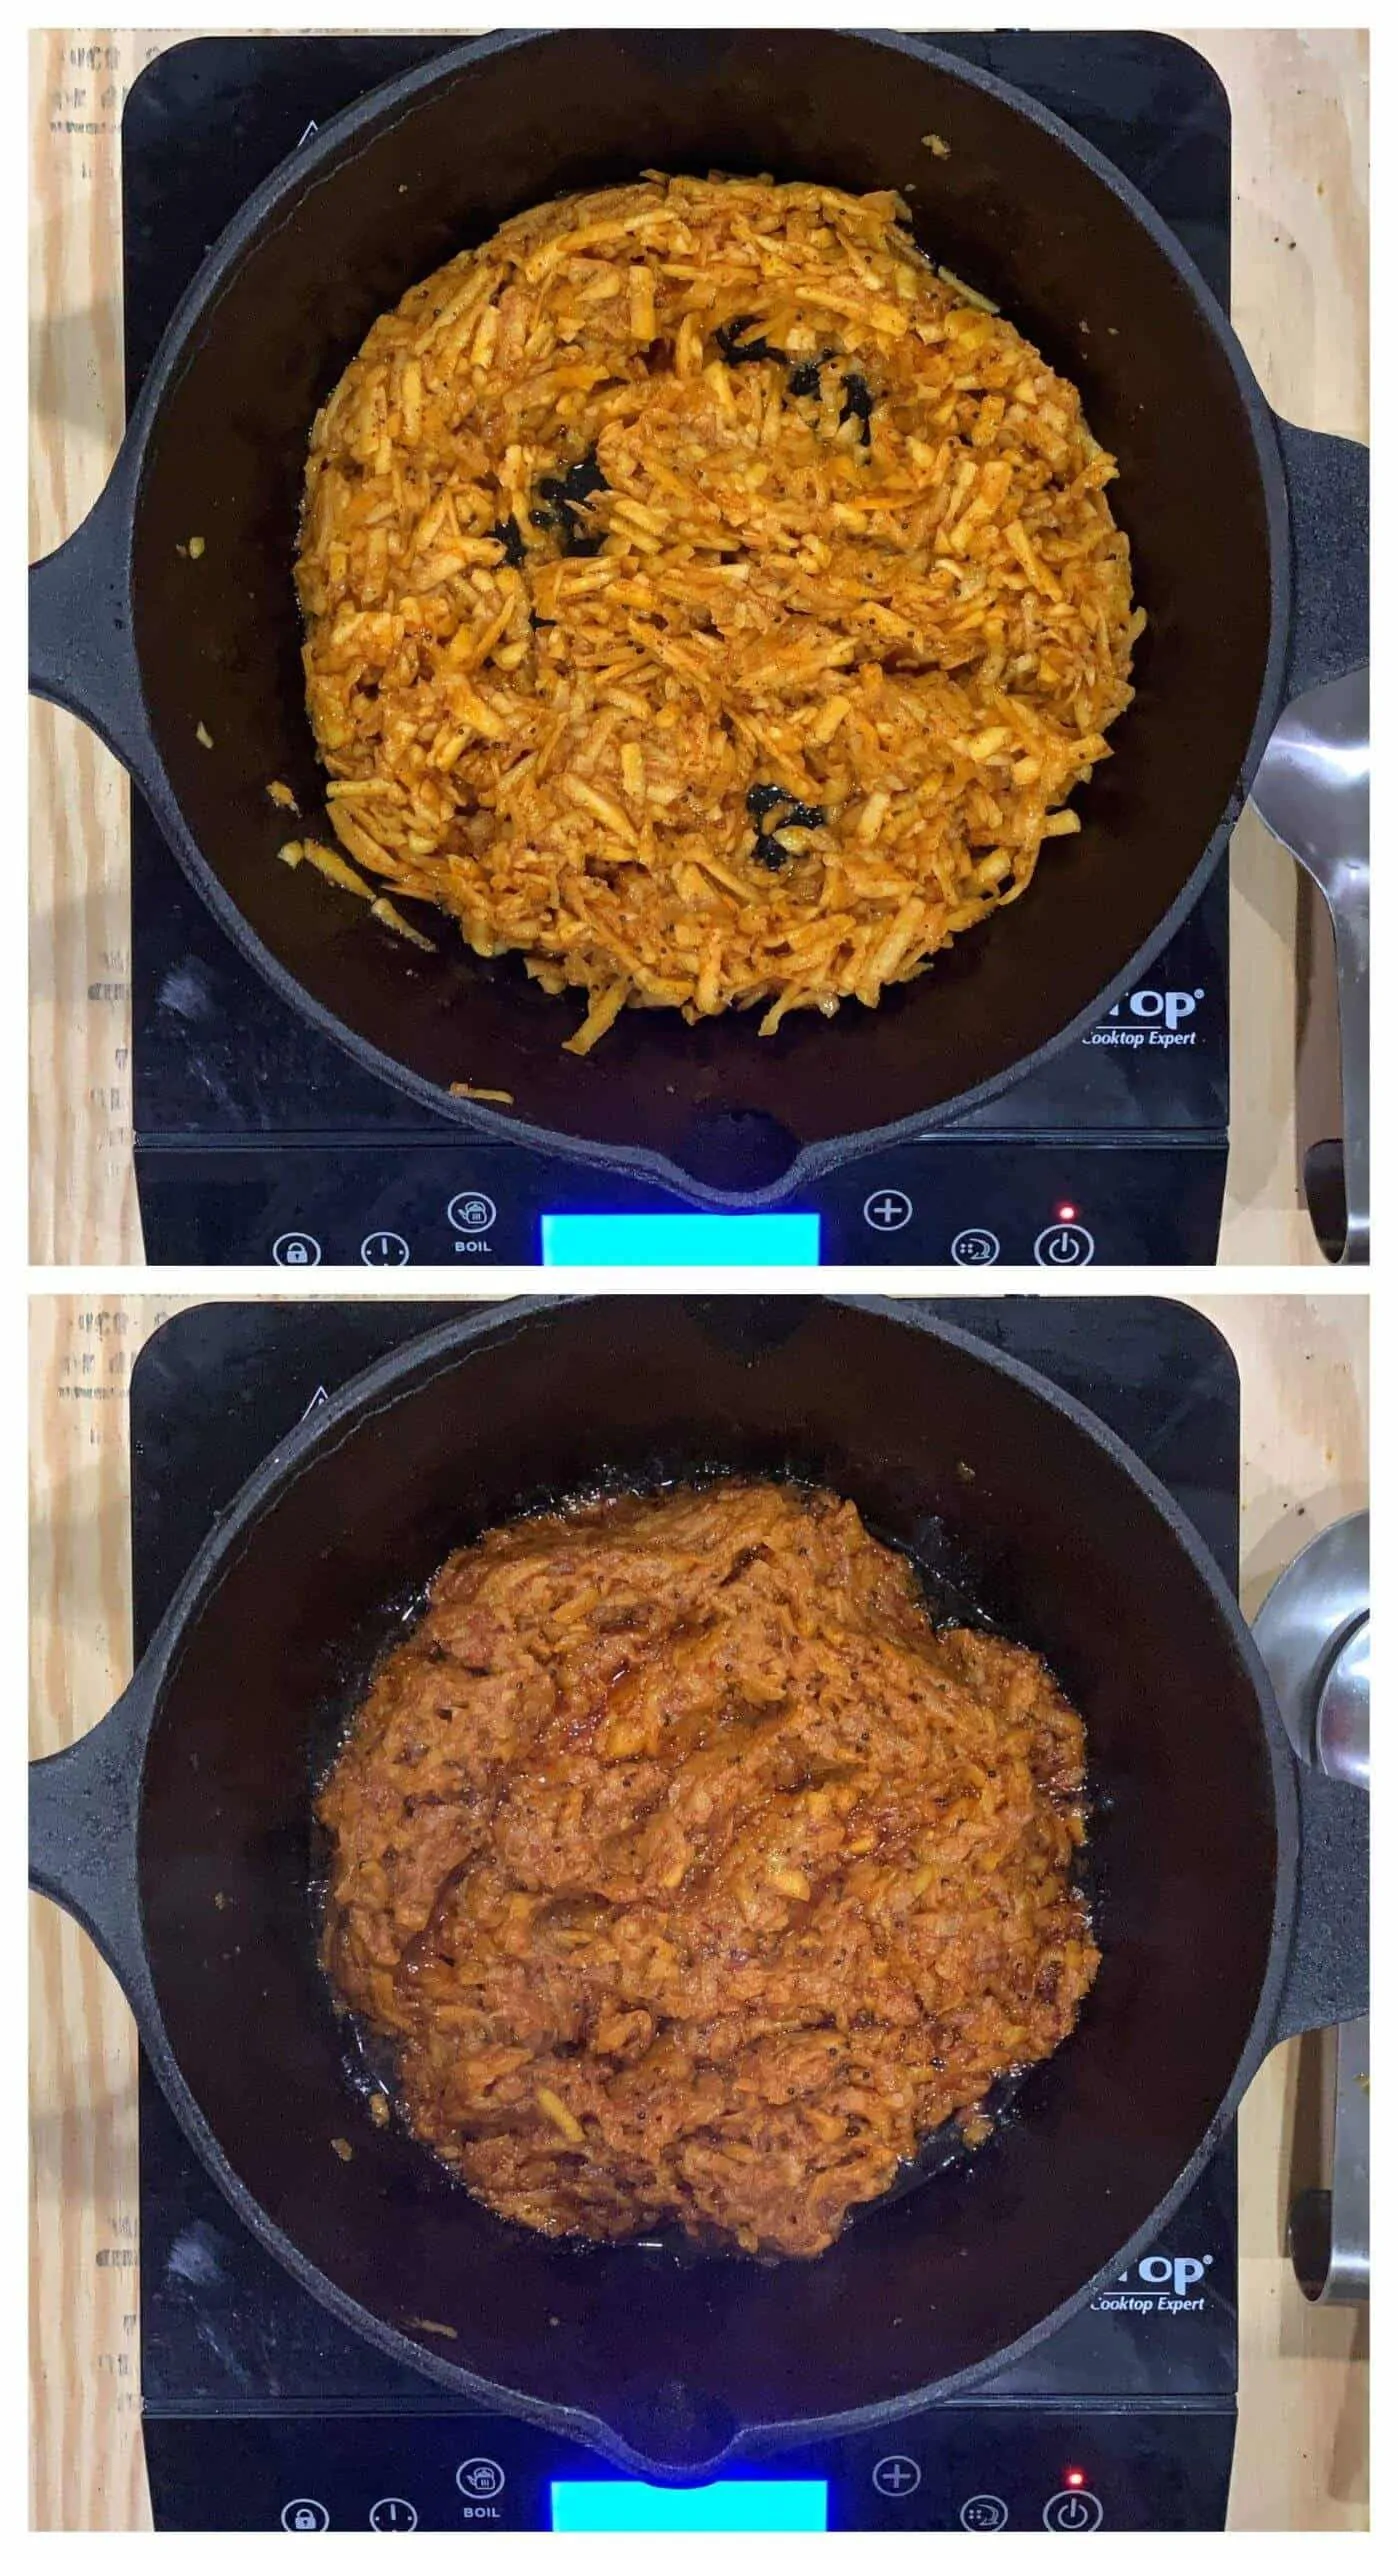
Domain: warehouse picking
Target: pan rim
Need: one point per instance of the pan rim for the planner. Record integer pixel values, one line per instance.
(378, 111)
(406, 1370)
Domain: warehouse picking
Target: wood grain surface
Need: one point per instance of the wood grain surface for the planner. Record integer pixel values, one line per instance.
(1302, 2444)
(87, 2470)
(1299, 104)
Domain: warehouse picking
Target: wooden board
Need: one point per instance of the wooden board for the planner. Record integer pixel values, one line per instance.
(1302, 2448)
(1299, 105)
(87, 2472)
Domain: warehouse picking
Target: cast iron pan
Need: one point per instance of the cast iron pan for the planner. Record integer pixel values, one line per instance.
(1229, 1882)
(1249, 536)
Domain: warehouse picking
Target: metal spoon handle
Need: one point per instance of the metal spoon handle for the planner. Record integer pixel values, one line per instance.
(1348, 901)
(1328, 2227)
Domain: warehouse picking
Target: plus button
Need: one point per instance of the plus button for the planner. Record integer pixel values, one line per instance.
(896, 2476)
(887, 1211)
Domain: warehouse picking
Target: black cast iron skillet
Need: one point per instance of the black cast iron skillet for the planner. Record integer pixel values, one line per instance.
(1249, 538)
(1229, 1883)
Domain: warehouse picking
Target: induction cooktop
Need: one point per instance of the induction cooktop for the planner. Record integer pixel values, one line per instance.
(257, 1139)
(261, 2412)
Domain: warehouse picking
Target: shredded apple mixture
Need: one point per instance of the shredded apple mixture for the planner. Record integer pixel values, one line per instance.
(707, 598)
(695, 1876)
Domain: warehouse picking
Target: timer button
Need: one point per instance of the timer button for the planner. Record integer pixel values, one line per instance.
(384, 1250)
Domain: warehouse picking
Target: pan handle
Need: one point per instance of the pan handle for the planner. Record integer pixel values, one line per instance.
(81, 651)
(1327, 1974)
(83, 1808)
(1327, 485)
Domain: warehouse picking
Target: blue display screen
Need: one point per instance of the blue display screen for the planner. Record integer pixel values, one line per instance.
(723, 2506)
(573, 1238)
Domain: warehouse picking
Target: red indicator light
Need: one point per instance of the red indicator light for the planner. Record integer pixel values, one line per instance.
(1075, 2479)
(1066, 1212)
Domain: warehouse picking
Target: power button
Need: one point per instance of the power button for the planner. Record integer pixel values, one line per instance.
(1063, 1248)
(1073, 2511)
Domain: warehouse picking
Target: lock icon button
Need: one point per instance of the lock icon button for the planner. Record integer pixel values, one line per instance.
(305, 2515)
(295, 1251)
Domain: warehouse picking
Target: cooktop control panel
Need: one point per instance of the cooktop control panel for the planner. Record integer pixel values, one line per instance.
(1013, 2470)
(1057, 1203)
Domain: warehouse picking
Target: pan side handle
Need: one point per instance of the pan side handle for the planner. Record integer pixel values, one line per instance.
(83, 1811)
(81, 651)
(1327, 482)
(1327, 1974)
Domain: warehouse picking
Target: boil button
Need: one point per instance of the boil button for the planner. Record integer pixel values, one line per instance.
(480, 2478)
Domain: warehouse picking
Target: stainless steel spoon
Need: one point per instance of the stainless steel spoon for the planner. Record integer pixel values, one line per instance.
(1312, 1632)
(1312, 794)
